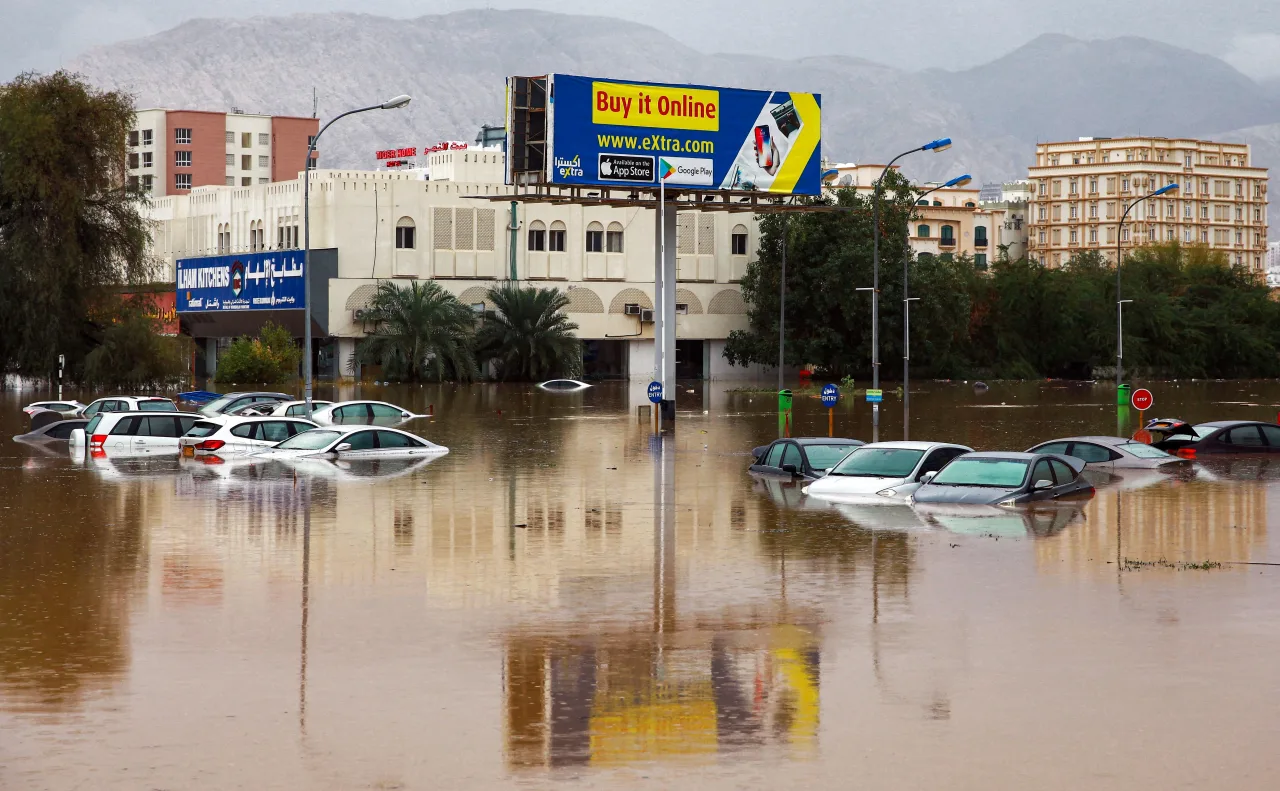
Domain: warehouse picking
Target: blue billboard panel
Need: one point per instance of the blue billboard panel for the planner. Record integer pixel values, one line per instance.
(613, 133)
(248, 281)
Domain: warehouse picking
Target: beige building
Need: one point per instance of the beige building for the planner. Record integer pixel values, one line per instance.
(404, 226)
(950, 221)
(1083, 187)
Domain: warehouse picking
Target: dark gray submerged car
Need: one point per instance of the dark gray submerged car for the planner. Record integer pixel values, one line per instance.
(1005, 479)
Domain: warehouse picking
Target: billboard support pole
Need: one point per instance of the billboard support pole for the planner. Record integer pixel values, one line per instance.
(664, 308)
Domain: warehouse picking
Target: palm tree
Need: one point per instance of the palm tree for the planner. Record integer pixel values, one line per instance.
(527, 335)
(421, 332)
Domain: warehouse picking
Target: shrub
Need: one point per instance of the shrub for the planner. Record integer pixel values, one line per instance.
(270, 358)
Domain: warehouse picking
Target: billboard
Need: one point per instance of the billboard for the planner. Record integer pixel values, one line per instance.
(616, 133)
(248, 281)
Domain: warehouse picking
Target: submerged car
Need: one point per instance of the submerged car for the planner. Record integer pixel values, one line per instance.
(353, 443)
(61, 407)
(134, 433)
(296, 408)
(57, 431)
(1111, 453)
(239, 436)
(801, 457)
(233, 401)
(1005, 479)
(377, 413)
(1219, 436)
(884, 472)
(563, 385)
(127, 404)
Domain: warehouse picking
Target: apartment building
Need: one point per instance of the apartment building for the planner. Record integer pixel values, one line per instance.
(370, 226)
(1083, 187)
(170, 152)
(951, 221)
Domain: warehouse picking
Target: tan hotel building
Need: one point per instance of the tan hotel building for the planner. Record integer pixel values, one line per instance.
(1081, 188)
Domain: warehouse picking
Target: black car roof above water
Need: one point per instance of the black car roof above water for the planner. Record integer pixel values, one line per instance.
(825, 441)
(1227, 423)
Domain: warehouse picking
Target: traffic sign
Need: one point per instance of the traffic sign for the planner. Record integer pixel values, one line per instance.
(1141, 399)
(655, 392)
(830, 395)
(875, 396)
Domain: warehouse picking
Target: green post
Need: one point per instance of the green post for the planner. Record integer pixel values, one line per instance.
(515, 241)
(1122, 395)
(784, 413)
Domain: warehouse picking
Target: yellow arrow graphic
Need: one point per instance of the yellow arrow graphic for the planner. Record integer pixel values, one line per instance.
(806, 143)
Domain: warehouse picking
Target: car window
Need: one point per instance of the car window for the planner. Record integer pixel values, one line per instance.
(310, 440)
(185, 422)
(968, 471)
(297, 410)
(1043, 472)
(824, 457)
(125, 426)
(1087, 452)
(938, 459)
(61, 430)
(362, 440)
(92, 424)
(1053, 447)
(879, 462)
(774, 457)
(1061, 472)
(1272, 435)
(297, 427)
(383, 410)
(163, 426)
(1244, 436)
(274, 431)
(202, 428)
(390, 439)
(93, 409)
(791, 455)
(244, 430)
(157, 405)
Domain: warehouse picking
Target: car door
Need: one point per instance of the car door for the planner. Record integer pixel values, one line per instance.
(1272, 436)
(1243, 439)
(394, 445)
(771, 462)
(1042, 471)
(386, 415)
(792, 462)
(243, 437)
(156, 434)
(272, 431)
(1092, 454)
(362, 445)
(1065, 479)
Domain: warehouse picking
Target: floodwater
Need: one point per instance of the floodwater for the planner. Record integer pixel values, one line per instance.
(566, 598)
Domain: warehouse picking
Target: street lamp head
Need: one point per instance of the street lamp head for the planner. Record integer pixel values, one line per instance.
(941, 144)
(396, 103)
(958, 181)
(1163, 190)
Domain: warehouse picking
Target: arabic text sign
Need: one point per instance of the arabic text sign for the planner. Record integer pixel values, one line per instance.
(250, 281)
(690, 135)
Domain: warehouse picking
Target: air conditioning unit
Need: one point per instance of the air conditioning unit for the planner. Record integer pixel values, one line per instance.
(646, 316)
(631, 309)
(361, 314)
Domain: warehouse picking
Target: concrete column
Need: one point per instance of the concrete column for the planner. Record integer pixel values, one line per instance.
(210, 356)
(664, 310)
(346, 351)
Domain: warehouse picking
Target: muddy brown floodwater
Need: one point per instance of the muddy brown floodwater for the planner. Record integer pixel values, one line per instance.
(564, 598)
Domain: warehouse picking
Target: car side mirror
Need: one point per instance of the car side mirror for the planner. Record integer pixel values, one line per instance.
(925, 477)
(1043, 484)
(345, 446)
(790, 469)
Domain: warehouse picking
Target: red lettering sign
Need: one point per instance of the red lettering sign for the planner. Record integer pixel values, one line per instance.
(1142, 399)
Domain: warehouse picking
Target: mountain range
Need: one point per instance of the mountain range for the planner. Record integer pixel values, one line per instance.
(454, 65)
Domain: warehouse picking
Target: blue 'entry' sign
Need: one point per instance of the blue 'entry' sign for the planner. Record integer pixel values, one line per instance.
(655, 392)
(830, 395)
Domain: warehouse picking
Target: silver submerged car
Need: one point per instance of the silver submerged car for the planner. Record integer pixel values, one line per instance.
(1112, 453)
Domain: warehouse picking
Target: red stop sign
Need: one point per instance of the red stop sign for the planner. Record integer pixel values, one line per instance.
(1142, 399)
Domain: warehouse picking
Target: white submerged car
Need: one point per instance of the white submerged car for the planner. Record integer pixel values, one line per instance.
(132, 434)
(352, 443)
(239, 436)
(883, 472)
(369, 413)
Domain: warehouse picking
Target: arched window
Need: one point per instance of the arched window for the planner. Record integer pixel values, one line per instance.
(979, 236)
(556, 239)
(970, 205)
(937, 203)
(922, 202)
(406, 234)
(948, 234)
(923, 232)
(595, 238)
(738, 240)
(537, 236)
(613, 239)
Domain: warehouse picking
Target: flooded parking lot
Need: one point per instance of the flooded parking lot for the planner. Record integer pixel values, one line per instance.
(565, 596)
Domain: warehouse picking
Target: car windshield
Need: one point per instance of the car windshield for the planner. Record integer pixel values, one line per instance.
(157, 405)
(218, 404)
(1203, 431)
(879, 463)
(1143, 451)
(93, 424)
(1003, 473)
(310, 440)
(824, 457)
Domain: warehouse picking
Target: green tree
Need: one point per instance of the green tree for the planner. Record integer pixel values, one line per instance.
(70, 225)
(422, 332)
(270, 358)
(131, 352)
(528, 336)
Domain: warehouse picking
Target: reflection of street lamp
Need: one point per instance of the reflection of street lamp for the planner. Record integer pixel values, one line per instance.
(906, 362)
(1119, 257)
(958, 181)
(940, 144)
(390, 104)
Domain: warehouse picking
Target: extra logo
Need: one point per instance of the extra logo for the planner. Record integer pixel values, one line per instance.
(237, 278)
(688, 170)
(569, 168)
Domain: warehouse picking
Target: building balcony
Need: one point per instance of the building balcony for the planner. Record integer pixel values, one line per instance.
(980, 243)
(947, 241)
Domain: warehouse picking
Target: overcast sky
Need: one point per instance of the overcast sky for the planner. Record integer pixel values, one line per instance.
(42, 34)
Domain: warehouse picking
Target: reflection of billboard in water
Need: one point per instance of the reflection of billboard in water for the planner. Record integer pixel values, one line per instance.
(612, 701)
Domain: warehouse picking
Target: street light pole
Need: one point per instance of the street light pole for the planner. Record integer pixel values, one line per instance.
(390, 104)
(1120, 302)
(782, 317)
(958, 181)
(936, 145)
